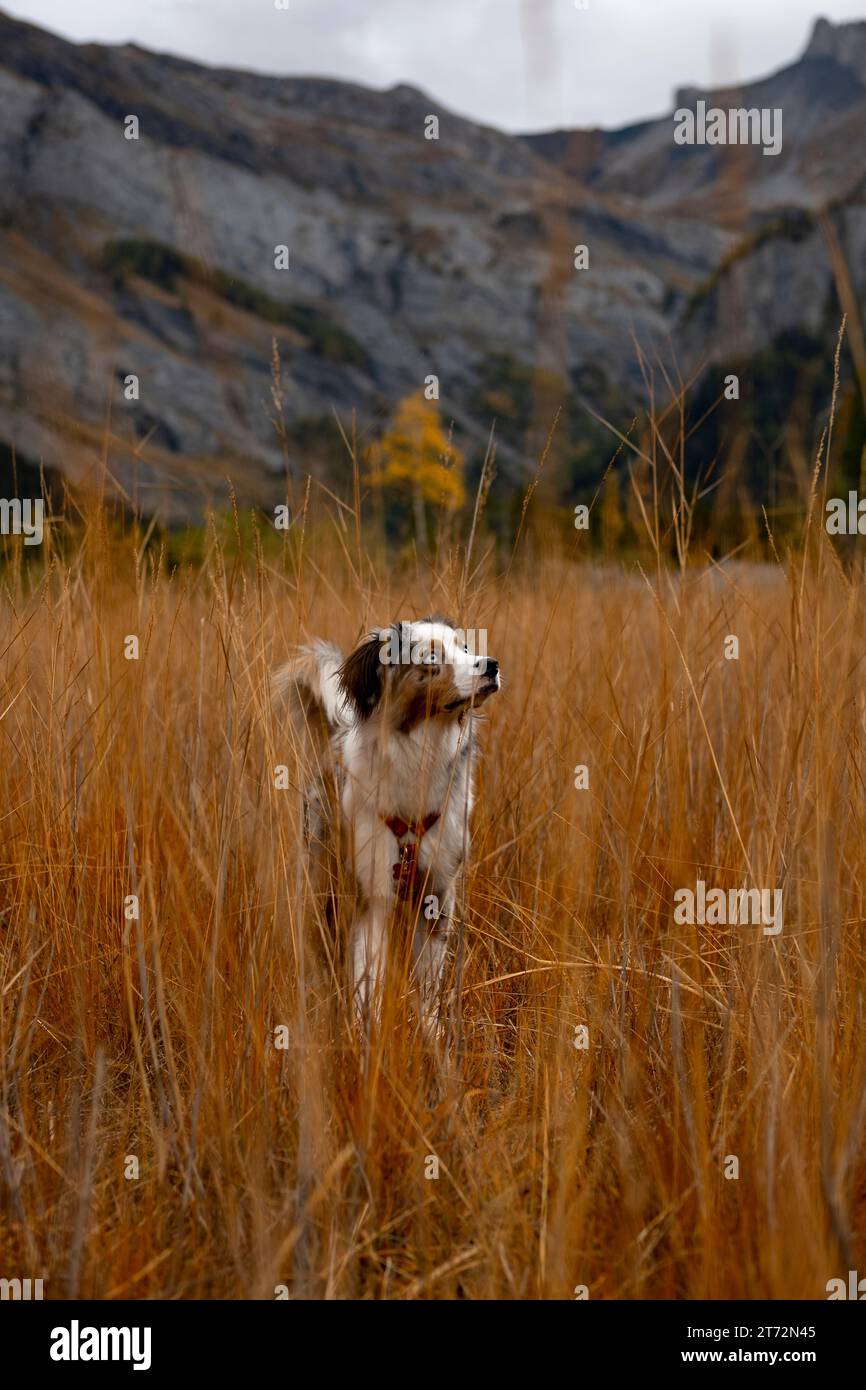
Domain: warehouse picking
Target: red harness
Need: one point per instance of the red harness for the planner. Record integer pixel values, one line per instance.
(405, 872)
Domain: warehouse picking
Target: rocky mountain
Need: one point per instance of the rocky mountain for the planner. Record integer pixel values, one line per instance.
(144, 199)
(823, 157)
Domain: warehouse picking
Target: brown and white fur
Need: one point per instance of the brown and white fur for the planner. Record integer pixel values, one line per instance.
(401, 734)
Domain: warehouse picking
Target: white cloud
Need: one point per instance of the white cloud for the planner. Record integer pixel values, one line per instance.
(519, 64)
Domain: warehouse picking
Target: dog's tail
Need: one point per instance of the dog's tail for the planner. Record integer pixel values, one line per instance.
(310, 682)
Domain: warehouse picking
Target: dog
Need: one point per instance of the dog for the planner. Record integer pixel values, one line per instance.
(399, 715)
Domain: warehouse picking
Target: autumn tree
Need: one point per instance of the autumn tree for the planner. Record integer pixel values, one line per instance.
(415, 462)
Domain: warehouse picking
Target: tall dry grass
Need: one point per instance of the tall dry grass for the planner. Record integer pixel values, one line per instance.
(306, 1166)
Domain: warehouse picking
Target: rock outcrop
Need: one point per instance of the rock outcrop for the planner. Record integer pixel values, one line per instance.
(142, 291)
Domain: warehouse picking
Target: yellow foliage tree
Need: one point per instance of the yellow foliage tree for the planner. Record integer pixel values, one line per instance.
(416, 458)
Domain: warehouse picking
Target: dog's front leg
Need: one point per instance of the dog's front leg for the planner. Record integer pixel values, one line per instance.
(430, 952)
(368, 938)
(368, 941)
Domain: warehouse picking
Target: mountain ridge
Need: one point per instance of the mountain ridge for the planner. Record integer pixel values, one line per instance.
(408, 257)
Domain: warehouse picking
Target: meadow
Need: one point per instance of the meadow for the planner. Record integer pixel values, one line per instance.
(186, 1106)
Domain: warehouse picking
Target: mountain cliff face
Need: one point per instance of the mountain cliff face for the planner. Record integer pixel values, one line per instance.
(823, 100)
(156, 258)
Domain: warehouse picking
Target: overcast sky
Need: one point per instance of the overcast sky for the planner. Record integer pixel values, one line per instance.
(517, 64)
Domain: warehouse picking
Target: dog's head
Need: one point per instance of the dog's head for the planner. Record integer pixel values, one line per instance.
(420, 670)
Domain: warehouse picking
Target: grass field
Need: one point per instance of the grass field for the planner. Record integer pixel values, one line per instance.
(154, 1139)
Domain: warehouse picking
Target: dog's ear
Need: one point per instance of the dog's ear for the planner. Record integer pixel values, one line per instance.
(362, 674)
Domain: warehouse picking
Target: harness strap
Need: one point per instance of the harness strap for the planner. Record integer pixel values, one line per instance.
(405, 872)
(418, 828)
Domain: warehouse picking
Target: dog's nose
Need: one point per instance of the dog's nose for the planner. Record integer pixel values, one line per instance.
(492, 668)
